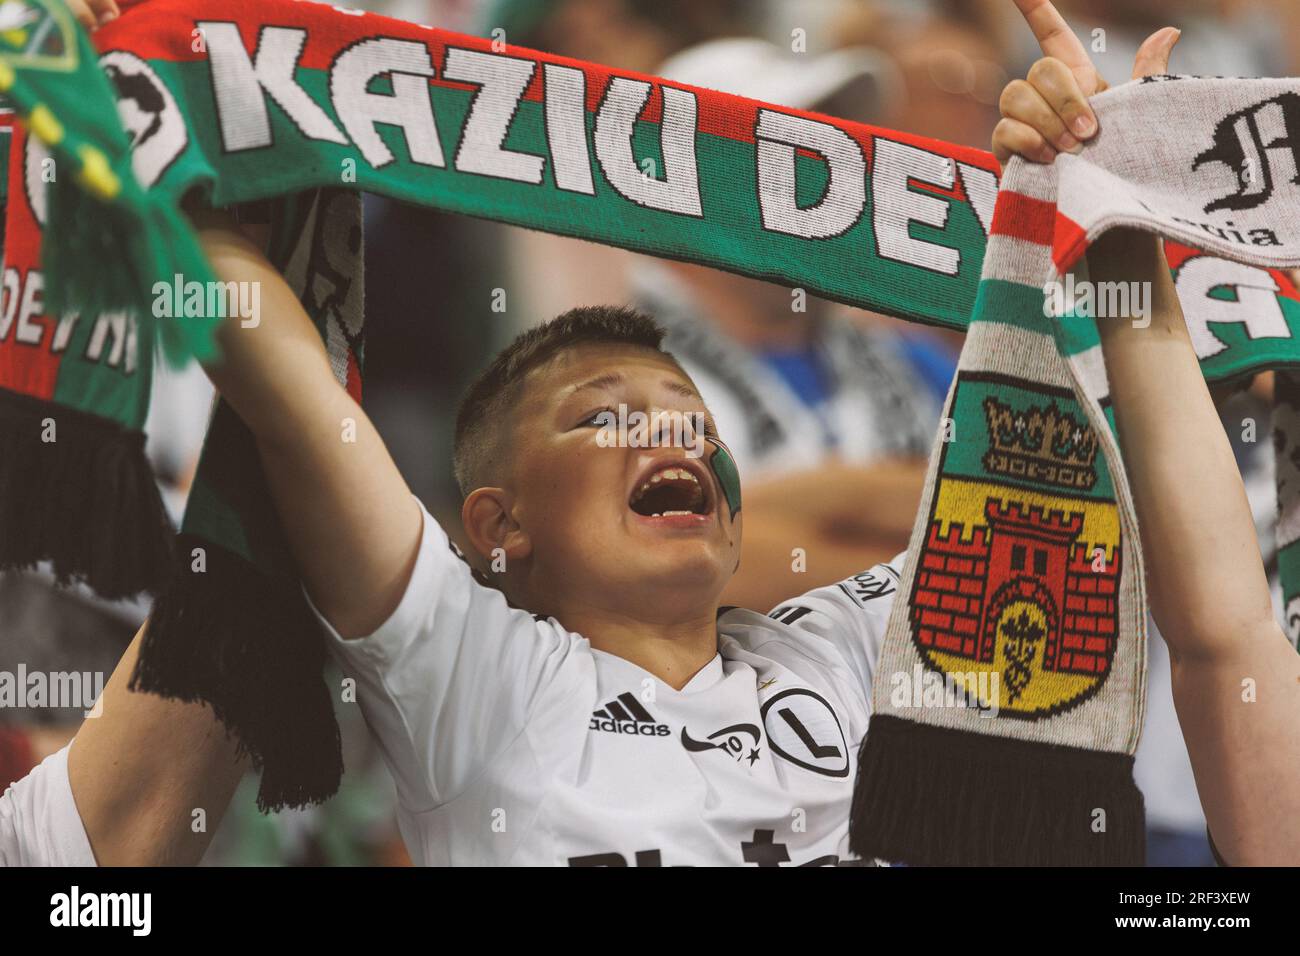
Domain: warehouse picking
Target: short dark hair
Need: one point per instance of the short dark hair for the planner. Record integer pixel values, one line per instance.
(488, 400)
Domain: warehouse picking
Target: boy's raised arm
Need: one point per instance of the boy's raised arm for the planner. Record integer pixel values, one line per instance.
(1206, 581)
(350, 518)
(142, 768)
(1236, 680)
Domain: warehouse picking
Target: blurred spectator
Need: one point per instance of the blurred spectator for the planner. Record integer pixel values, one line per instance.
(952, 74)
(629, 34)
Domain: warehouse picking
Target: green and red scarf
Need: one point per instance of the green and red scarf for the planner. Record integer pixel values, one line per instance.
(299, 107)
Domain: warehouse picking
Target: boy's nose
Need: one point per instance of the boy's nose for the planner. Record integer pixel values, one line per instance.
(668, 429)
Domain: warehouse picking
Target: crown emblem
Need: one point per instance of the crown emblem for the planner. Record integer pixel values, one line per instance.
(1040, 444)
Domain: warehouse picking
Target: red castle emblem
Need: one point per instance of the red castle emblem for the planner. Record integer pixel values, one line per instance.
(1021, 579)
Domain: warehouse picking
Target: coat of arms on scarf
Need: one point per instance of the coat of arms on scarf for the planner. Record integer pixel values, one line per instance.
(1017, 576)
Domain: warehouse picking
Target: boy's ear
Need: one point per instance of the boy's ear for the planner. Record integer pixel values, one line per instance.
(486, 515)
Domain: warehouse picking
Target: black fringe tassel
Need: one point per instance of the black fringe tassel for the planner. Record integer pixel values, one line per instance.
(931, 796)
(248, 645)
(86, 501)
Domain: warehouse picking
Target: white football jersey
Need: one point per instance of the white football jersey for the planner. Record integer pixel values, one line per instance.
(39, 823)
(514, 741)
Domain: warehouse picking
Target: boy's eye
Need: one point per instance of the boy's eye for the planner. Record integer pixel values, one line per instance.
(603, 418)
(708, 429)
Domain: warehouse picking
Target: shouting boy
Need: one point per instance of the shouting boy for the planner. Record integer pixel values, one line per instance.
(573, 694)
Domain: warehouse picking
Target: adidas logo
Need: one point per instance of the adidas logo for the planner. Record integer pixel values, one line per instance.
(625, 715)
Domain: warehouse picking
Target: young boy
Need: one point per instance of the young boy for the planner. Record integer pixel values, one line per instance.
(581, 699)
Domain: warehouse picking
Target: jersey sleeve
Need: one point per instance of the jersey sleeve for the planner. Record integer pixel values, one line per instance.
(449, 680)
(850, 615)
(39, 822)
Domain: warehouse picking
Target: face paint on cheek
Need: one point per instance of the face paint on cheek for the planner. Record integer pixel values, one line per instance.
(728, 475)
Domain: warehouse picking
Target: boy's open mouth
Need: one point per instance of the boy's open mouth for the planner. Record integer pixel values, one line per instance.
(671, 489)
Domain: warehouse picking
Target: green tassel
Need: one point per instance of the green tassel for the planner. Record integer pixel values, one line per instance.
(106, 256)
(106, 241)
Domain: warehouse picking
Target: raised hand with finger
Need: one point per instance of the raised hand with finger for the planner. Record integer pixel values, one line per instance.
(1047, 113)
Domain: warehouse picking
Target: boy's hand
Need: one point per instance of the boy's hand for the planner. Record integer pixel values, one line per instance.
(93, 14)
(1048, 112)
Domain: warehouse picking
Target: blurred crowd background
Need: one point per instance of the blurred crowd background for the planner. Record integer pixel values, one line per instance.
(830, 410)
